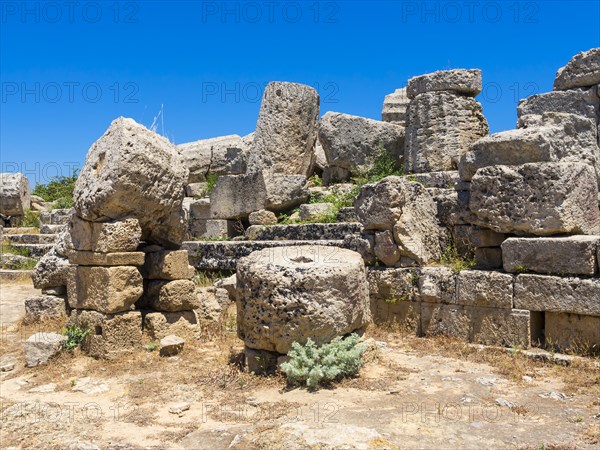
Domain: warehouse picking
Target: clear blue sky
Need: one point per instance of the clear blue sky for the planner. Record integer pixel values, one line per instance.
(68, 69)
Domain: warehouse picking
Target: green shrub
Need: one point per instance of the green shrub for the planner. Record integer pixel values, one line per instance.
(452, 259)
(59, 190)
(30, 219)
(151, 346)
(315, 365)
(10, 249)
(379, 166)
(211, 182)
(75, 336)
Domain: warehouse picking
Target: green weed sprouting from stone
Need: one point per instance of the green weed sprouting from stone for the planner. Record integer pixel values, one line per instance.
(211, 182)
(314, 365)
(75, 336)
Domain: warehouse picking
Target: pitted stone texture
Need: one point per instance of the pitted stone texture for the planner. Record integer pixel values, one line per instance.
(111, 334)
(561, 137)
(313, 212)
(211, 303)
(452, 206)
(459, 81)
(105, 237)
(540, 199)
(223, 155)
(104, 289)
(160, 324)
(488, 289)
(467, 238)
(583, 102)
(352, 142)
(40, 347)
(56, 216)
(581, 71)
(289, 294)
(394, 107)
(44, 307)
(441, 126)
(50, 271)
(286, 130)
(262, 217)
(14, 194)
(167, 265)
(106, 259)
(386, 249)
(573, 255)
(133, 172)
(172, 296)
(302, 232)
(558, 294)
(435, 285)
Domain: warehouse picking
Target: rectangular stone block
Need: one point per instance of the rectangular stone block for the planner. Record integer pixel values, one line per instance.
(573, 332)
(200, 208)
(167, 265)
(406, 314)
(106, 259)
(445, 320)
(392, 284)
(157, 325)
(435, 284)
(105, 289)
(236, 196)
(558, 294)
(110, 334)
(487, 289)
(104, 237)
(468, 237)
(488, 258)
(572, 255)
(499, 326)
(44, 307)
(177, 295)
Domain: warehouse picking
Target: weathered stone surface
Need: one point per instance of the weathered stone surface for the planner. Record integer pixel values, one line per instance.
(160, 324)
(40, 347)
(500, 326)
(347, 214)
(131, 171)
(352, 142)
(283, 192)
(196, 190)
(105, 237)
(560, 138)
(316, 211)
(289, 294)
(172, 296)
(558, 294)
(212, 302)
(104, 289)
(223, 155)
(445, 320)
(303, 232)
(481, 288)
(435, 284)
(320, 158)
(392, 285)
(573, 255)
(218, 229)
(446, 179)
(516, 199)
(111, 334)
(441, 126)
(106, 259)
(334, 174)
(386, 249)
(286, 130)
(459, 81)
(56, 216)
(583, 102)
(488, 258)
(167, 265)
(14, 194)
(467, 238)
(452, 206)
(171, 345)
(581, 71)
(262, 217)
(573, 332)
(394, 107)
(50, 271)
(44, 307)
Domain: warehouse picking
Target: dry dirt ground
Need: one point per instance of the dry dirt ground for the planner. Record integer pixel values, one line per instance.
(411, 393)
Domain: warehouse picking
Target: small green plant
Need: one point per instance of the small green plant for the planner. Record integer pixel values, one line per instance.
(521, 269)
(315, 180)
(10, 249)
(453, 260)
(75, 336)
(30, 219)
(378, 167)
(24, 264)
(211, 182)
(205, 278)
(59, 190)
(151, 346)
(314, 365)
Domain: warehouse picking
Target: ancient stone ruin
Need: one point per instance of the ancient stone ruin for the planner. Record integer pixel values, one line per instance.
(494, 239)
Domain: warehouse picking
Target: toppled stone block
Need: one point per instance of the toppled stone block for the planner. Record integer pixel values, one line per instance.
(481, 288)
(216, 229)
(44, 307)
(386, 249)
(572, 331)
(196, 190)
(223, 155)
(581, 71)
(40, 347)
(286, 130)
(167, 265)
(324, 294)
(573, 255)
(50, 271)
(284, 192)
(441, 126)
(262, 217)
(394, 107)
(14, 194)
(105, 237)
(435, 285)
(515, 199)
(316, 211)
(104, 289)
(160, 324)
(172, 296)
(560, 138)
(132, 172)
(452, 206)
(558, 294)
(352, 142)
(171, 345)
(582, 102)
(459, 81)
(110, 334)
(106, 259)
(212, 302)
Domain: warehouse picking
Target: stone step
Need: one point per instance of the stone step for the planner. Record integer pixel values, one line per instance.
(223, 255)
(34, 250)
(53, 229)
(16, 262)
(56, 216)
(14, 276)
(303, 232)
(20, 230)
(32, 238)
